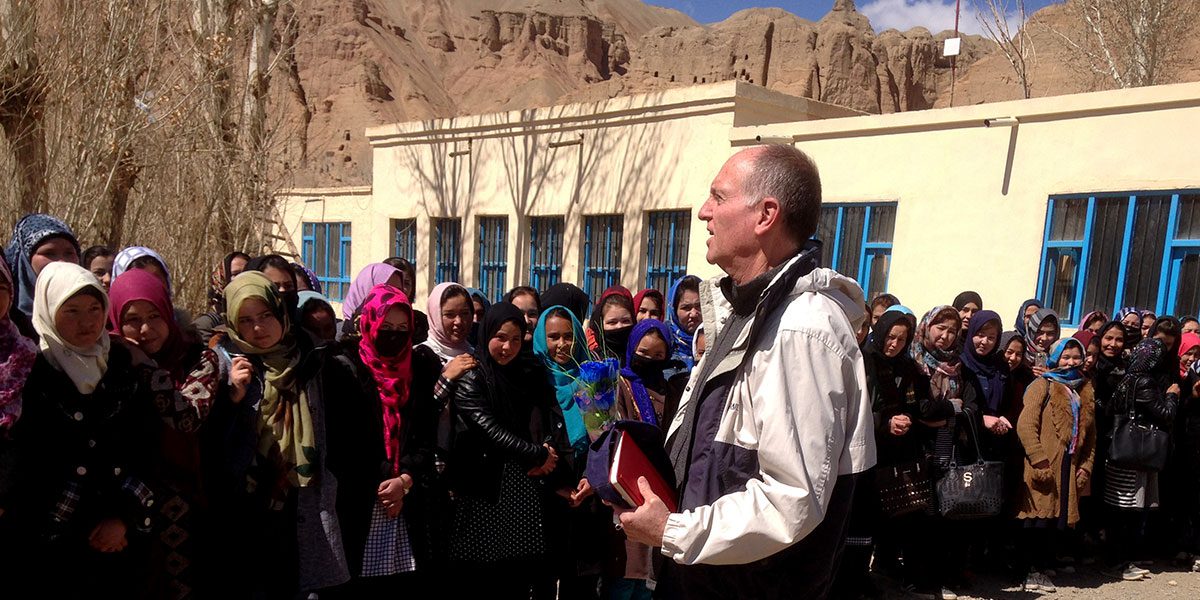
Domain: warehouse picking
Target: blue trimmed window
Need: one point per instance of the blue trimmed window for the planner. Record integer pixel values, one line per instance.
(446, 249)
(326, 250)
(545, 251)
(858, 242)
(404, 239)
(601, 253)
(667, 235)
(1107, 251)
(493, 256)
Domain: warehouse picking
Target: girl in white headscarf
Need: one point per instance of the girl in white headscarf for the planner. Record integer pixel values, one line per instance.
(83, 446)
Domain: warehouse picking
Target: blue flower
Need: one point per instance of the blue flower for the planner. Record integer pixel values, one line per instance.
(592, 372)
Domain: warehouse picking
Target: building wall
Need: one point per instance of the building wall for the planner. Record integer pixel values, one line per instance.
(624, 156)
(971, 200)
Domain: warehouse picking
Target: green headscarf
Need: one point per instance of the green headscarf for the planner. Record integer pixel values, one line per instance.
(563, 378)
(285, 425)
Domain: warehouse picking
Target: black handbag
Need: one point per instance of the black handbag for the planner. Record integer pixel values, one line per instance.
(972, 491)
(904, 488)
(1138, 446)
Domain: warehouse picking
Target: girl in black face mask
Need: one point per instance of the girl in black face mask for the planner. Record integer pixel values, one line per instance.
(611, 323)
(643, 383)
(376, 447)
(643, 392)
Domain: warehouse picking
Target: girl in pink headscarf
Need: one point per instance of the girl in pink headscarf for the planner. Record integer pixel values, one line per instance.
(374, 447)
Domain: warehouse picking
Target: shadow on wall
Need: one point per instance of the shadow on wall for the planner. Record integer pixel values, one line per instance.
(624, 168)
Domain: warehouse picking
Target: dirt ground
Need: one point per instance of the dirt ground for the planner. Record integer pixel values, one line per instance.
(1166, 581)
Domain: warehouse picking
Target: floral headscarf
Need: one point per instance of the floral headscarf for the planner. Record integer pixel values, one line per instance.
(29, 233)
(941, 366)
(17, 354)
(286, 431)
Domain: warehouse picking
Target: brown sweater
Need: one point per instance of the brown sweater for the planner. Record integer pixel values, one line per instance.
(1045, 432)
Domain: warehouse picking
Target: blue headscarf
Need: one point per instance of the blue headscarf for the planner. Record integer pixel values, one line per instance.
(988, 369)
(900, 308)
(1070, 377)
(640, 396)
(28, 234)
(1020, 323)
(681, 340)
(563, 378)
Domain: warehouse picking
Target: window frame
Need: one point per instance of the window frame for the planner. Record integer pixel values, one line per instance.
(868, 251)
(492, 275)
(546, 234)
(447, 268)
(674, 269)
(1174, 249)
(404, 241)
(611, 271)
(334, 287)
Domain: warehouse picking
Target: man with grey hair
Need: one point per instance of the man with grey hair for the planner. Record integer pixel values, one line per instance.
(775, 422)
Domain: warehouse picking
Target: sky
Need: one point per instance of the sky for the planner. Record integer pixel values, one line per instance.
(935, 15)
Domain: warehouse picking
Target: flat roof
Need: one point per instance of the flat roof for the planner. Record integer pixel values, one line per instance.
(674, 103)
(1033, 110)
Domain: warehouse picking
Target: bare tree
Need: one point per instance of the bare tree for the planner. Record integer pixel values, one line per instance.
(149, 122)
(22, 96)
(1131, 43)
(1013, 40)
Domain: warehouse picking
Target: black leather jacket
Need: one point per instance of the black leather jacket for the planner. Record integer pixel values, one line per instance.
(490, 430)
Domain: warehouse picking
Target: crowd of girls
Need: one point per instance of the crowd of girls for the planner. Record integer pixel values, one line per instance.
(274, 448)
(1046, 406)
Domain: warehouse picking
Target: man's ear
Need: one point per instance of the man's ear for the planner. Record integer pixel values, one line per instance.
(770, 214)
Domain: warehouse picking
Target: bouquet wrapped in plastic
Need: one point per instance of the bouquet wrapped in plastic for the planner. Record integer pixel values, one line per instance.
(596, 395)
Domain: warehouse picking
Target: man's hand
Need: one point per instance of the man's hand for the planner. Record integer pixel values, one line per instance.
(646, 524)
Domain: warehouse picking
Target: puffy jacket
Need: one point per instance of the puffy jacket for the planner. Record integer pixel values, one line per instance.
(795, 419)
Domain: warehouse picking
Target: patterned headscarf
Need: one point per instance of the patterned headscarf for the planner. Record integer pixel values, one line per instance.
(220, 278)
(126, 257)
(563, 377)
(1071, 377)
(1035, 323)
(393, 374)
(286, 432)
(314, 284)
(57, 283)
(28, 234)
(17, 354)
(941, 366)
(1146, 357)
(1019, 325)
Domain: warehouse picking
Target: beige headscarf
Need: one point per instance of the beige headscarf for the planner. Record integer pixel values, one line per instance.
(285, 423)
(57, 283)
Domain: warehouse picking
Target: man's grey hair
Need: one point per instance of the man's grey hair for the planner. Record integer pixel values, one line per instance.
(785, 173)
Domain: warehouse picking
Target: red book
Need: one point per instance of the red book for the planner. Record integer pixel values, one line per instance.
(629, 463)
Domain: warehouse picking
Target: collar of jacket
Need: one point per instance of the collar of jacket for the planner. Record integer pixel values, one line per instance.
(779, 286)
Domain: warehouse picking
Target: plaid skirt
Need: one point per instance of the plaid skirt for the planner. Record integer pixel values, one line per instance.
(388, 550)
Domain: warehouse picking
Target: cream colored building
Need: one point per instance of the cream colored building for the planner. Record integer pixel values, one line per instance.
(1089, 200)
